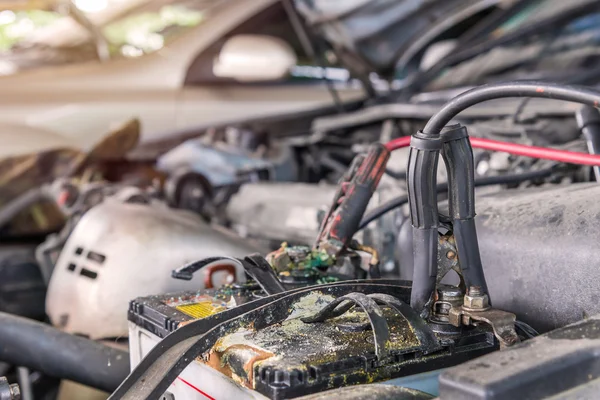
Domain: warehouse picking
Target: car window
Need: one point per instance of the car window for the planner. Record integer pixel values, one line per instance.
(273, 21)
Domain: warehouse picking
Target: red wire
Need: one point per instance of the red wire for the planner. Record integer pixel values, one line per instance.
(398, 143)
(565, 156)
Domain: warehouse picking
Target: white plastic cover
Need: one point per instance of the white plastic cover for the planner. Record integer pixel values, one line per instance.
(120, 251)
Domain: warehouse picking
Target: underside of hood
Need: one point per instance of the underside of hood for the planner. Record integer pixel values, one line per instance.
(370, 35)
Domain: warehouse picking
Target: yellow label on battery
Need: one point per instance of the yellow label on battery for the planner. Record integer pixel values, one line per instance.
(200, 310)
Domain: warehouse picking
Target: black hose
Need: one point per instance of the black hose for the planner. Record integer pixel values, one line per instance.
(399, 201)
(577, 94)
(40, 347)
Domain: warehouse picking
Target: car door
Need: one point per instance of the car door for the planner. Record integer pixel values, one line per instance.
(209, 100)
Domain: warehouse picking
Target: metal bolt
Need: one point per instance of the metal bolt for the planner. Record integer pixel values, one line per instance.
(447, 298)
(15, 391)
(8, 391)
(450, 255)
(476, 299)
(449, 293)
(474, 291)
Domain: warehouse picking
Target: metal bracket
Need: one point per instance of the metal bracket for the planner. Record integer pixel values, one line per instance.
(502, 322)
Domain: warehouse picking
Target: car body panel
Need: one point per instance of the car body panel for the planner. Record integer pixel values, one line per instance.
(85, 101)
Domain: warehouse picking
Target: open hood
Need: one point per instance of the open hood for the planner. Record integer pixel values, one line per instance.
(372, 35)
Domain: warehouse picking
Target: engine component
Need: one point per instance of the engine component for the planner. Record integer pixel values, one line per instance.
(119, 251)
(200, 173)
(43, 348)
(74, 200)
(294, 206)
(544, 232)
(561, 365)
(388, 339)
(9, 391)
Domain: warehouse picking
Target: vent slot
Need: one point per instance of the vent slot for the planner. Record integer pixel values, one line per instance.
(71, 267)
(88, 273)
(79, 251)
(97, 257)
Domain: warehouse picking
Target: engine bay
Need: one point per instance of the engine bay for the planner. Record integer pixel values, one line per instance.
(363, 200)
(342, 262)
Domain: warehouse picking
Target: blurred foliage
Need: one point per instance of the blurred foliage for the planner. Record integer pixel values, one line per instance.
(149, 31)
(146, 32)
(15, 26)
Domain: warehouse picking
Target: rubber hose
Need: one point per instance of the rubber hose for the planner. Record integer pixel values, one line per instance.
(42, 348)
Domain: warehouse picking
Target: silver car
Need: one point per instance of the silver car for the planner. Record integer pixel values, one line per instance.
(226, 60)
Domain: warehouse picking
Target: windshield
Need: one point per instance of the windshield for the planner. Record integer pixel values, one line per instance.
(128, 28)
(567, 53)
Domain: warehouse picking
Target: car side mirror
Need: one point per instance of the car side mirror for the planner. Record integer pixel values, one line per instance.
(254, 58)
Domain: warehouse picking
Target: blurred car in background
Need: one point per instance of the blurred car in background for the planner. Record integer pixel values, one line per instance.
(172, 64)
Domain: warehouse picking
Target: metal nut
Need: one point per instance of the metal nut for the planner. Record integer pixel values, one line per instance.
(480, 302)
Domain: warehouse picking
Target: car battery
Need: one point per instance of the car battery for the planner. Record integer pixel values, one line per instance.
(324, 343)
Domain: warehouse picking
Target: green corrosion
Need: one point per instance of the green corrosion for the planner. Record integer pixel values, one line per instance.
(310, 258)
(302, 262)
(323, 343)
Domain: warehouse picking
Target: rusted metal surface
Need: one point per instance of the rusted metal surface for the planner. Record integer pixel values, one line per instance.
(317, 343)
(447, 258)
(502, 322)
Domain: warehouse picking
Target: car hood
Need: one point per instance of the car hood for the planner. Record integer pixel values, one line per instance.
(371, 35)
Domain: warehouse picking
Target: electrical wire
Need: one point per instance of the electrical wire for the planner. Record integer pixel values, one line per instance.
(472, 50)
(398, 143)
(399, 201)
(576, 94)
(526, 329)
(570, 157)
(565, 156)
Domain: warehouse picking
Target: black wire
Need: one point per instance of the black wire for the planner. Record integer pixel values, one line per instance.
(399, 201)
(526, 329)
(398, 175)
(474, 49)
(577, 94)
(579, 79)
